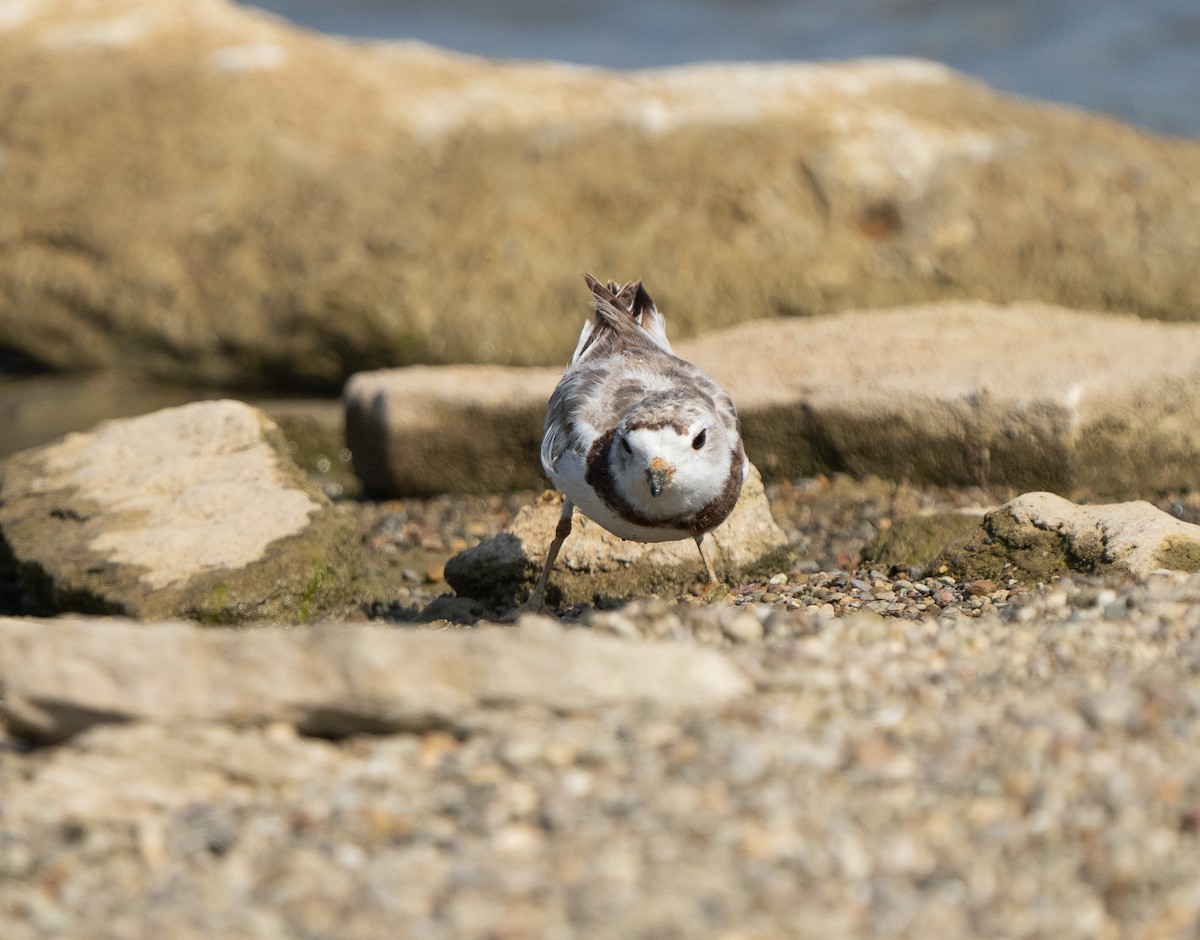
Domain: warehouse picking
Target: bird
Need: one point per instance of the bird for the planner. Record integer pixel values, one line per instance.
(639, 440)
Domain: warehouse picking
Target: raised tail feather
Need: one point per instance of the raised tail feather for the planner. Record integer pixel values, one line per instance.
(613, 304)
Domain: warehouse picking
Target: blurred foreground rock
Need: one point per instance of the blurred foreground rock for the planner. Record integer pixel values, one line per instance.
(197, 191)
(63, 676)
(195, 511)
(1025, 397)
(596, 565)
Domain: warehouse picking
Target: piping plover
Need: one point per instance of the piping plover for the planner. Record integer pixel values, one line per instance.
(642, 442)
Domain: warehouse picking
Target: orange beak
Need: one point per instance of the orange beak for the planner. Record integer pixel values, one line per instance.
(659, 474)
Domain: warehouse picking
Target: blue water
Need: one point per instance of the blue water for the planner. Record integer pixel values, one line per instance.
(1136, 59)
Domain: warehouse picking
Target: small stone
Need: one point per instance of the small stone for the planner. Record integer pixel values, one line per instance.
(16, 858)
(743, 627)
(618, 624)
(981, 587)
(200, 827)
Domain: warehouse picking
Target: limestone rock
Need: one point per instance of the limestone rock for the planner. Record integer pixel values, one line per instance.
(595, 564)
(194, 511)
(195, 190)
(447, 429)
(1026, 396)
(63, 676)
(1039, 535)
(37, 409)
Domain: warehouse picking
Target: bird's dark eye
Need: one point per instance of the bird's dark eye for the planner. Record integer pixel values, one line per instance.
(625, 444)
(698, 440)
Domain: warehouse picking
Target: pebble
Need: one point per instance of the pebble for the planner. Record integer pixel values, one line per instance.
(742, 627)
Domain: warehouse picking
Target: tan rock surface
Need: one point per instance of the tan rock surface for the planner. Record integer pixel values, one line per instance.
(1039, 536)
(63, 676)
(595, 564)
(193, 190)
(189, 511)
(1026, 396)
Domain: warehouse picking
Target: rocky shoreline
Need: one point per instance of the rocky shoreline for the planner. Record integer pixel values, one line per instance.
(254, 676)
(884, 752)
(289, 724)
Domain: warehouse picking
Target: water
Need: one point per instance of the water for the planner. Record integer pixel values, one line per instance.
(1136, 59)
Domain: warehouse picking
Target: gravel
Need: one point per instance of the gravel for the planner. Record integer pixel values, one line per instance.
(1027, 773)
(827, 521)
(920, 757)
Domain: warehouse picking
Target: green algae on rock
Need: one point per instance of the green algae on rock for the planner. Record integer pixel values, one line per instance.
(1039, 536)
(916, 542)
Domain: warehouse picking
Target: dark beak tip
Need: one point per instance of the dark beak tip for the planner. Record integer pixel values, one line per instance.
(657, 480)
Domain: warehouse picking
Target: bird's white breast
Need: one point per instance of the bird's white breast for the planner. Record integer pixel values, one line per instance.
(569, 477)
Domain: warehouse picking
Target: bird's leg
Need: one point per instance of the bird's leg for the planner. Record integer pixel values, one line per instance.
(537, 600)
(708, 568)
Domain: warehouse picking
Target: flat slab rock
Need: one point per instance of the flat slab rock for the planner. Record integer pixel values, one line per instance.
(355, 175)
(1027, 395)
(62, 676)
(1038, 536)
(195, 511)
(596, 565)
